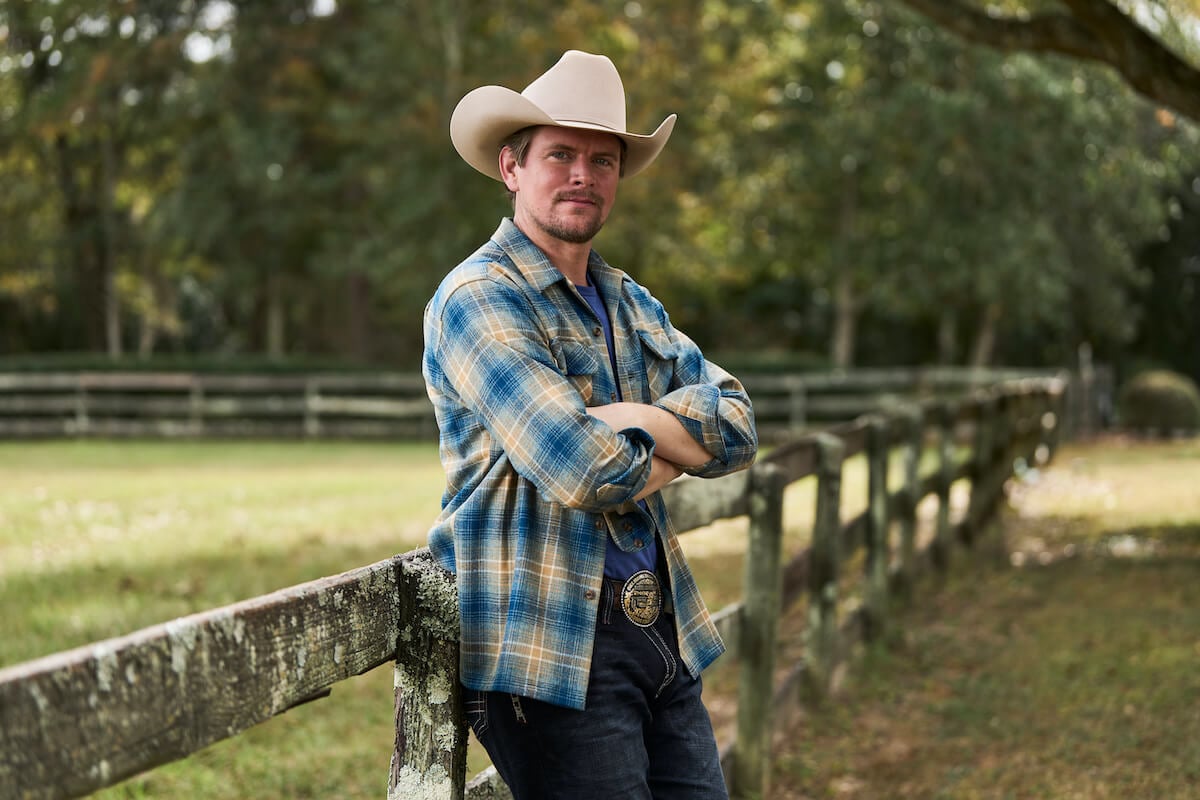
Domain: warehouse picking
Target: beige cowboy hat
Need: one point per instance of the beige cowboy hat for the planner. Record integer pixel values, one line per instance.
(580, 91)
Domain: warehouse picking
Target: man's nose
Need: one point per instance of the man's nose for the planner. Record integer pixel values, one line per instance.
(581, 172)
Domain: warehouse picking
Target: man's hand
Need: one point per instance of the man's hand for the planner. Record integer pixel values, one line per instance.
(672, 441)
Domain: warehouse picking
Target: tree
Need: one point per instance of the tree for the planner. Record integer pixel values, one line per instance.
(1091, 30)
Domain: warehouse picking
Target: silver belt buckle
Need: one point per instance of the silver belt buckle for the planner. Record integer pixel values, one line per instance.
(642, 598)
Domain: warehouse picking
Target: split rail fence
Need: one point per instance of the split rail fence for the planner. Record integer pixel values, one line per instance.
(77, 721)
(391, 405)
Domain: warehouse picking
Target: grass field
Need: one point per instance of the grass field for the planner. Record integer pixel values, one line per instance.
(1060, 664)
(99, 539)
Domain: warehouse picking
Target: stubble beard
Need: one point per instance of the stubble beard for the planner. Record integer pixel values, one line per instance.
(558, 227)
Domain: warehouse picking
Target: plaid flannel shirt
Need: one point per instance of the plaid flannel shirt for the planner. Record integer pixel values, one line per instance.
(535, 484)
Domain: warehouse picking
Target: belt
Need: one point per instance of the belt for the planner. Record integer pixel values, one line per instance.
(641, 597)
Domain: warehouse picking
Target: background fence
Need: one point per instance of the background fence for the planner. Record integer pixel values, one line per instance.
(80, 720)
(394, 405)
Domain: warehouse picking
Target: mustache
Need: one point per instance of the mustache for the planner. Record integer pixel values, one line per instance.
(584, 194)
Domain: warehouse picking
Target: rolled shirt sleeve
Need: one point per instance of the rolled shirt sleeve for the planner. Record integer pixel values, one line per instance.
(711, 404)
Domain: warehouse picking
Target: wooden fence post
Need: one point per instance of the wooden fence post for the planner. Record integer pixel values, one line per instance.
(982, 450)
(878, 552)
(1050, 423)
(312, 409)
(911, 495)
(797, 405)
(946, 415)
(1000, 463)
(1056, 408)
(195, 406)
(430, 757)
(759, 632)
(824, 564)
(82, 421)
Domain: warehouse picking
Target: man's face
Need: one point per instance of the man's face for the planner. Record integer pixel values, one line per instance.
(568, 183)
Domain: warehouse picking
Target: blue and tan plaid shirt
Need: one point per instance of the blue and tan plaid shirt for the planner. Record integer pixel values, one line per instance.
(513, 356)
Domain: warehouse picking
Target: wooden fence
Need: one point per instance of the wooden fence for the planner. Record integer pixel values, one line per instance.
(80, 720)
(331, 405)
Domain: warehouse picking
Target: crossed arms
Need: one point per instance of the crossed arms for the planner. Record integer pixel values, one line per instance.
(674, 447)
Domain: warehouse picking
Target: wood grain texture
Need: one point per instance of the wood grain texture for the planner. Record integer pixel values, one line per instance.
(83, 719)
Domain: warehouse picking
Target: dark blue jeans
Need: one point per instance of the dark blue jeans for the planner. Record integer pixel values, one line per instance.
(645, 733)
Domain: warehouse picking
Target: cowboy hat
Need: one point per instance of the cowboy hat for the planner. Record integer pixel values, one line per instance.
(580, 91)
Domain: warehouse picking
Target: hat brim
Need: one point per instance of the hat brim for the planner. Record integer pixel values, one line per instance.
(487, 116)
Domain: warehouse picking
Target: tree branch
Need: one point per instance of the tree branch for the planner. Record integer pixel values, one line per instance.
(1093, 30)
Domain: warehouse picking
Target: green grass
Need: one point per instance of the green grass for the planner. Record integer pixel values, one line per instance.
(1071, 676)
(99, 539)
(1057, 681)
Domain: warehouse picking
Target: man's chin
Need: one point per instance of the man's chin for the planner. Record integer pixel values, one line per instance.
(575, 234)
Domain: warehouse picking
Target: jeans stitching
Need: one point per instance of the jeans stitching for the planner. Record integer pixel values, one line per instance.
(477, 715)
(518, 712)
(660, 644)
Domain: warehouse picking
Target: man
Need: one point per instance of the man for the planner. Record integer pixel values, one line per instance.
(566, 401)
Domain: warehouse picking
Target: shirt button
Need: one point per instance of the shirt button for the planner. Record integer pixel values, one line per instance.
(599, 523)
(589, 594)
(637, 543)
(597, 331)
(612, 396)
(628, 526)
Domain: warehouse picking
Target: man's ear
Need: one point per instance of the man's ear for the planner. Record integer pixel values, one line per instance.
(508, 168)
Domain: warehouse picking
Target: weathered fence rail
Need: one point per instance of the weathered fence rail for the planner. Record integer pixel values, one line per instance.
(80, 720)
(391, 405)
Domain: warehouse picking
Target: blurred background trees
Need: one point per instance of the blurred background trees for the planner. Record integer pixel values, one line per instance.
(850, 182)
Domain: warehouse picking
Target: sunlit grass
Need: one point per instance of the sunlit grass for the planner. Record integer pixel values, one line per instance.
(1070, 676)
(98, 539)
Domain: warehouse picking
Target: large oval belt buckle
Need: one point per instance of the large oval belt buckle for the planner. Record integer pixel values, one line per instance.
(641, 598)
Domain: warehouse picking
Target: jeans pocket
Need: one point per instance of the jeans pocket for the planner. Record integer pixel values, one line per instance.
(475, 703)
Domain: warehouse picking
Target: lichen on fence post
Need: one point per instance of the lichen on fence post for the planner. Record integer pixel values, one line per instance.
(824, 564)
(759, 631)
(430, 757)
(878, 553)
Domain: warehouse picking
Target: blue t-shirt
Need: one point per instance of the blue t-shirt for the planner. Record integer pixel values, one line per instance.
(617, 563)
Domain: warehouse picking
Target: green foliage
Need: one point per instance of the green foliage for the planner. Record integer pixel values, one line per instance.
(1160, 401)
(243, 178)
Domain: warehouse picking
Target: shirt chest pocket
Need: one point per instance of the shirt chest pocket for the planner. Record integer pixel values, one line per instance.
(578, 362)
(659, 354)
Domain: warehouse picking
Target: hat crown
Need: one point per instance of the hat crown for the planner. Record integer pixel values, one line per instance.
(581, 88)
(581, 91)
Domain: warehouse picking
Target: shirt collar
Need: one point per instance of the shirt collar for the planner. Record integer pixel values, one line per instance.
(539, 272)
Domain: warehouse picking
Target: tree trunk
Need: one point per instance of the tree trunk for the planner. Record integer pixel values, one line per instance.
(947, 337)
(275, 317)
(108, 250)
(78, 226)
(985, 336)
(358, 312)
(845, 323)
(845, 303)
